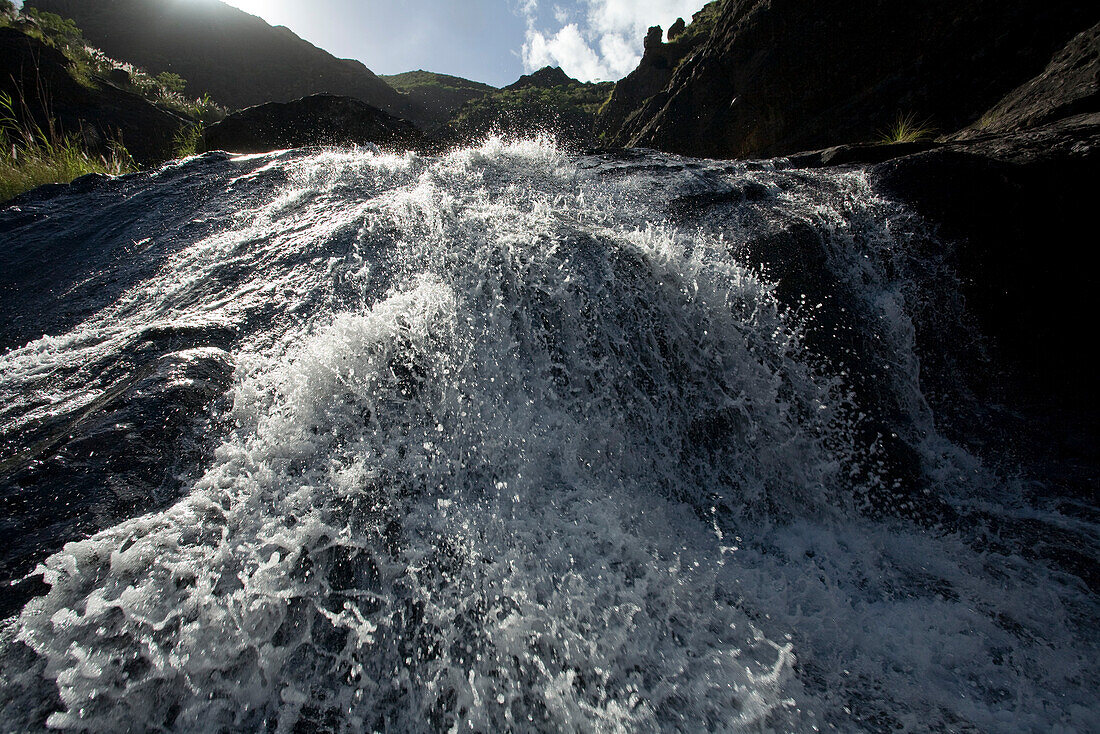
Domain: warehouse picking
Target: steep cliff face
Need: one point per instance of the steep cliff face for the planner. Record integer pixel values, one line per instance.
(237, 58)
(777, 76)
(655, 71)
(1069, 86)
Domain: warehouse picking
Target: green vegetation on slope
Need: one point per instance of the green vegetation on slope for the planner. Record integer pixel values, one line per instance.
(566, 111)
(436, 96)
(700, 26)
(35, 149)
(411, 80)
(91, 67)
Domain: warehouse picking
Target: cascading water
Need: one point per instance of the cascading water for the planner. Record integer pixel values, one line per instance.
(487, 442)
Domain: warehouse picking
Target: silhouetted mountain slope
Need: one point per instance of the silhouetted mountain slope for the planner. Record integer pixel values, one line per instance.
(235, 57)
(321, 119)
(545, 78)
(36, 77)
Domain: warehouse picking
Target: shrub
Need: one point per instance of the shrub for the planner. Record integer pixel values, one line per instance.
(186, 141)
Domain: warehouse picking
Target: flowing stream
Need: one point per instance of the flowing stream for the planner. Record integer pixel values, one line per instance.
(503, 440)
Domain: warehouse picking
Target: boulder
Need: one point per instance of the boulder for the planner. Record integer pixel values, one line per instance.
(318, 120)
(120, 78)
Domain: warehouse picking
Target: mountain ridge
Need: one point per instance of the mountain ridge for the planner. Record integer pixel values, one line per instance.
(237, 58)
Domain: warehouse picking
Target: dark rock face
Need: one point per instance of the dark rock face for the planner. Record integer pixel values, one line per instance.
(1016, 213)
(777, 77)
(654, 72)
(1018, 207)
(1070, 85)
(38, 75)
(237, 58)
(1004, 212)
(1016, 192)
(321, 119)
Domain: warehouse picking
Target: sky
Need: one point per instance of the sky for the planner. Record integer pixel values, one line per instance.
(493, 41)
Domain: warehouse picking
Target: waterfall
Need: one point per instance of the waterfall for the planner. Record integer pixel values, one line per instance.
(504, 439)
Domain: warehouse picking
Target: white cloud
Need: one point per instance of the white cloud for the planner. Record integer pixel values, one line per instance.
(567, 48)
(607, 44)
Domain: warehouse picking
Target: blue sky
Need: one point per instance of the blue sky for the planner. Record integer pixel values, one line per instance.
(492, 41)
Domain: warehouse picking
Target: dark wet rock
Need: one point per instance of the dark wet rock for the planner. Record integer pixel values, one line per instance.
(772, 78)
(55, 272)
(318, 120)
(114, 459)
(36, 76)
(1007, 203)
(1018, 207)
(699, 204)
(840, 155)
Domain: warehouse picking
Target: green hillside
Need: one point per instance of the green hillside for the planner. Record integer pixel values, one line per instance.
(542, 102)
(436, 96)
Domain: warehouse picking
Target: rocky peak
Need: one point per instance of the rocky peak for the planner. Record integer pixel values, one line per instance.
(544, 78)
(676, 29)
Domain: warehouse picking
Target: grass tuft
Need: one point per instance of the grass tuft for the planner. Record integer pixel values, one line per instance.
(186, 141)
(31, 157)
(908, 129)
